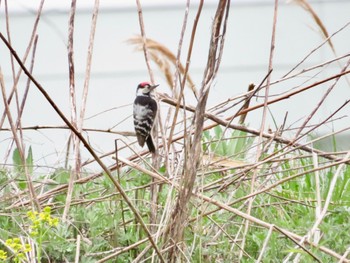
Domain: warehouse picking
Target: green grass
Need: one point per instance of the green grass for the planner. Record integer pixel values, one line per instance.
(105, 222)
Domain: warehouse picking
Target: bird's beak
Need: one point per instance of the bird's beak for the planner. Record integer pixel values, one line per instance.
(153, 87)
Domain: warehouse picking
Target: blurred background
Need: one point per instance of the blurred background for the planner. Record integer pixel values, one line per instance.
(117, 67)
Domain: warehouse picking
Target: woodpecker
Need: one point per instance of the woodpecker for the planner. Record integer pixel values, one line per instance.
(145, 111)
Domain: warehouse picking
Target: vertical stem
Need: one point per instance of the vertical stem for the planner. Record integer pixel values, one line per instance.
(262, 127)
(183, 82)
(154, 187)
(24, 59)
(175, 231)
(77, 252)
(33, 198)
(144, 40)
(72, 97)
(88, 64)
(39, 243)
(118, 174)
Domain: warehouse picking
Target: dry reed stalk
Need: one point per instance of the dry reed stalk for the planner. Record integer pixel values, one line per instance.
(78, 123)
(193, 150)
(54, 127)
(20, 146)
(315, 49)
(343, 258)
(37, 19)
(25, 95)
(155, 161)
(263, 249)
(294, 92)
(121, 250)
(77, 251)
(285, 78)
(183, 81)
(16, 78)
(178, 65)
(170, 152)
(88, 65)
(18, 122)
(304, 70)
(72, 99)
(262, 127)
(317, 235)
(118, 175)
(21, 108)
(317, 107)
(144, 41)
(9, 39)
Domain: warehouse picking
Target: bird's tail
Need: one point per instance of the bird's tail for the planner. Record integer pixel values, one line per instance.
(150, 144)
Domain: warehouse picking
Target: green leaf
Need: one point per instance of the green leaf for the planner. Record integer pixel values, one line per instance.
(16, 158)
(218, 132)
(22, 185)
(29, 160)
(162, 169)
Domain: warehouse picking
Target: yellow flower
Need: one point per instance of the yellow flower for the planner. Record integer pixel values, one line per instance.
(17, 246)
(32, 215)
(34, 233)
(47, 210)
(3, 255)
(53, 221)
(42, 216)
(9, 242)
(20, 255)
(27, 248)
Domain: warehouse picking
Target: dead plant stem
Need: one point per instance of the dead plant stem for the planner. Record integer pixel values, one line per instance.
(72, 99)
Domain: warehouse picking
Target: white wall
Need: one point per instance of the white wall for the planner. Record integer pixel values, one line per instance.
(117, 68)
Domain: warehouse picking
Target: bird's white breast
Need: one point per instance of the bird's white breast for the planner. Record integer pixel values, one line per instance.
(141, 111)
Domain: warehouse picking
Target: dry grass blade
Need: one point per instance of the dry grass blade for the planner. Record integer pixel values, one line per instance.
(304, 4)
(164, 58)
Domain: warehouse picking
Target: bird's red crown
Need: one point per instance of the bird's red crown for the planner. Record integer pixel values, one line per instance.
(144, 84)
